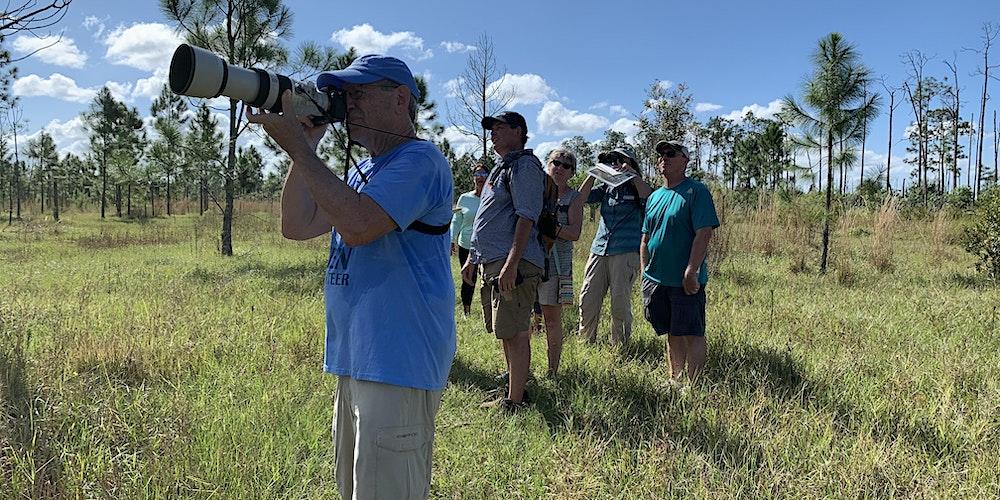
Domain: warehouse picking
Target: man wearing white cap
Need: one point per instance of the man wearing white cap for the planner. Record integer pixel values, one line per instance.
(390, 298)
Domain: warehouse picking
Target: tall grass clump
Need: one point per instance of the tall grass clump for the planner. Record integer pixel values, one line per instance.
(940, 233)
(886, 220)
(764, 226)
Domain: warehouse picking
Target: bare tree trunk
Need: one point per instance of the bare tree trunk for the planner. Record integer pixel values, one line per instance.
(819, 170)
(968, 168)
(996, 146)
(227, 212)
(104, 183)
(17, 175)
(888, 160)
(864, 138)
(955, 118)
(168, 195)
(982, 127)
(41, 190)
(829, 202)
(55, 199)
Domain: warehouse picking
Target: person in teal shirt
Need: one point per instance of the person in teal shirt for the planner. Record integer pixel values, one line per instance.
(678, 225)
(461, 228)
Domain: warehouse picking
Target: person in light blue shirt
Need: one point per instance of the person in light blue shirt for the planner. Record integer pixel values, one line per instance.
(390, 297)
(680, 218)
(461, 228)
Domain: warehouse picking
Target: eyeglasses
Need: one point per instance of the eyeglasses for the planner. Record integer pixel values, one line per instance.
(671, 154)
(480, 173)
(562, 164)
(359, 92)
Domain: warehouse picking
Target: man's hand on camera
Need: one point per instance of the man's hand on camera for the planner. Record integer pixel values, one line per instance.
(468, 273)
(295, 135)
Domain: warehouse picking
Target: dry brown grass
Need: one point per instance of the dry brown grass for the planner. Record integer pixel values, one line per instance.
(883, 231)
(941, 234)
(763, 237)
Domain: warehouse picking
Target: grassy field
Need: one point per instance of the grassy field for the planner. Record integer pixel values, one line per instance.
(135, 362)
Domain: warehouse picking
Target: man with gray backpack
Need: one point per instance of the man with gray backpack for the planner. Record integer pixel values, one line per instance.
(508, 249)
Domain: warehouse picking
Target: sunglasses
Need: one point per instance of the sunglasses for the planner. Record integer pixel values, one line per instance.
(671, 154)
(480, 173)
(562, 164)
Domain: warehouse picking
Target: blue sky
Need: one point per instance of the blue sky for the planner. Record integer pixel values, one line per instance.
(579, 68)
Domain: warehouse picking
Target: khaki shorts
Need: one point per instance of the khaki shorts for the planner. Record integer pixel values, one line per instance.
(383, 438)
(513, 315)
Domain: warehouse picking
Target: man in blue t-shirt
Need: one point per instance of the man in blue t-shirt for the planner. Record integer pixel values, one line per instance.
(390, 317)
(680, 218)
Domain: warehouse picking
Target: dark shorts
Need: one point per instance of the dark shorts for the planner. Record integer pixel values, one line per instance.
(671, 311)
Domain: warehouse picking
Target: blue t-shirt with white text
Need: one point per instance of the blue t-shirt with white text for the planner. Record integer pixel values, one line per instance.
(390, 304)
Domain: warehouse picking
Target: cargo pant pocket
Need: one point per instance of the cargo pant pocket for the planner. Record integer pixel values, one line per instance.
(402, 462)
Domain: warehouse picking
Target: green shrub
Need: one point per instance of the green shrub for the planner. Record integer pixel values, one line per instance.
(960, 198)
(982, 237)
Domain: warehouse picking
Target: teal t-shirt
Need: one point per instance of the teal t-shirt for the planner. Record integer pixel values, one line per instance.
(673, 215)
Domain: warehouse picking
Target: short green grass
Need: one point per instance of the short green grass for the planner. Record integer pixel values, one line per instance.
(137, 363)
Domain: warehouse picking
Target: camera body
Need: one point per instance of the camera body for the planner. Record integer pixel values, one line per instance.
(196, 72)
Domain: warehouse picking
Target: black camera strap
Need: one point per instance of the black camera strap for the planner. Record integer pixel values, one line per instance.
(418, 226)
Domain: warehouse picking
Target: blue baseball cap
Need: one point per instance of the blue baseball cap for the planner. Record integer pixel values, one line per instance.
(367, 69)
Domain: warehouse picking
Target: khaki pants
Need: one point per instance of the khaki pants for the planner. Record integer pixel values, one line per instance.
(617, 273)
(383, 437)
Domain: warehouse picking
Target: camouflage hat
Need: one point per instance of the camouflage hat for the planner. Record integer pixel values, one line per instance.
(664, 146)
(628, 153)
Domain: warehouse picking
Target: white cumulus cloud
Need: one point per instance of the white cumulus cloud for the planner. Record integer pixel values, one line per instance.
(453, 47)
(150, 87)
(664, 84)
(51, 50)
(70, 136)
(703, 107)
(542, 149)
(554, 118)
(146, 46)
(526, 88)
(453, 87)
(460, 140)
(769, 111)
(95, 24)
(57, 86)
(626, 126)
(367, 40)
(617, 109)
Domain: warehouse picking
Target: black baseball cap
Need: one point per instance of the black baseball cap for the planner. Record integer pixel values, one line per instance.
(512, 118)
